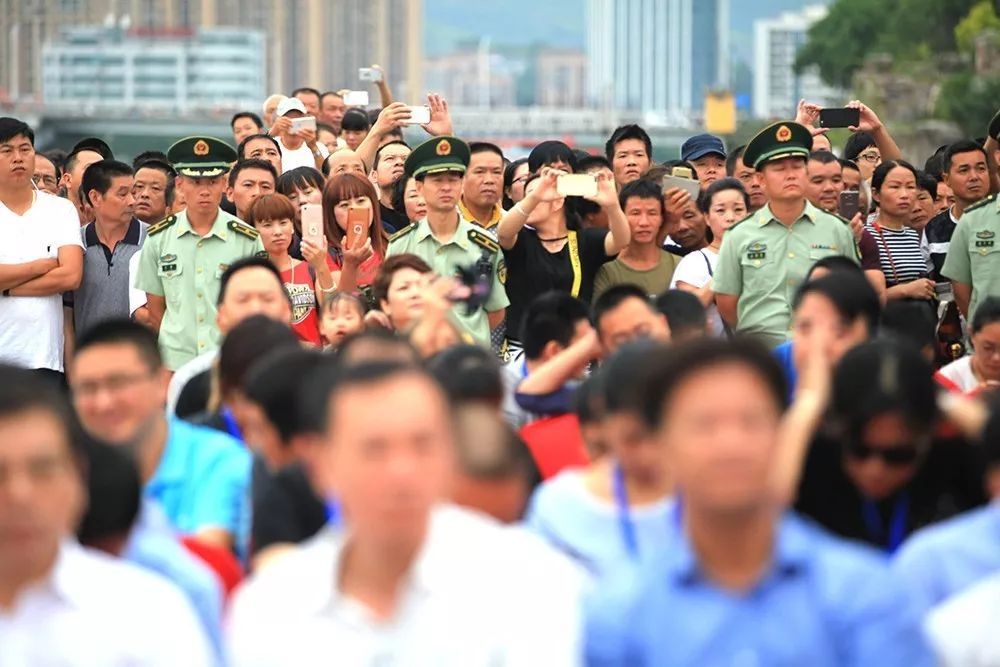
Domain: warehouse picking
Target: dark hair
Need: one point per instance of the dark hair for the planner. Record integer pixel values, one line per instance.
(823, 157)
(668, 368)
(624, 133)
(164, 168)
(247, 342)
(927, 183)
(348, 186)
(325, 127)
(585, 164)
(13, 127)
(247, 114)
(355, 120)
(373, 115)
(834, 264)
(549, 152)
(114, 494)
(508, 179)
(909, 322)
(850, 164)
(330, 93)
(934, 165)
(378, 153)
(252, 163)
(24, 391)
(641, 188)
(987, 312)
(721, 185)
(146, 156)
(551, 316)
(388, 269)
(882, 171)
(964, 146)
(468, 374)
(299, 179)
(399, 194)
(122, 331)
(622, 376)
(241, 149)
(851, 295)
(614, 297)
(275, 383)
(588, 401)
(99, 175)
(306, 89)
(856, 144)
(325, 385)
(354, 298)
(882, 377)
(484, 147)
(272, 206)
(380, 342)
(58, 158)
(247, 263)
(684, 312)
(735, 159)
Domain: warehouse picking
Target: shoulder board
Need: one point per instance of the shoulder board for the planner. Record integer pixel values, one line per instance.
(244, 229)
(981, 203)
(403, 232)
(483, 240)
(158, 227)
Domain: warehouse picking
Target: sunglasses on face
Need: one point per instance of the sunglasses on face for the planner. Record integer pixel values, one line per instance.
(897, 455)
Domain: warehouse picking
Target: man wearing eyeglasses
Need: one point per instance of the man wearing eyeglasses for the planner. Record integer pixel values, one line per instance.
(46, 176)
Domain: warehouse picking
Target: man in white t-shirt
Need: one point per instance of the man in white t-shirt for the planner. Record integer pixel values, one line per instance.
(299, 148)
(41, 256)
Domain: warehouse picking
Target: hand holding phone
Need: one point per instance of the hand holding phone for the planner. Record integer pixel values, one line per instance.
(843, 117)
(577, 185)
(683, 178)
(303, 123)
(419, 115)
(357, 225)
(849, 205)
(370, 74)
(312, 224)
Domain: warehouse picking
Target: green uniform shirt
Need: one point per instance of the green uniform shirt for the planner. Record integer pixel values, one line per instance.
(185, 269)
(445, 258)
(974, 253)
(763, 262)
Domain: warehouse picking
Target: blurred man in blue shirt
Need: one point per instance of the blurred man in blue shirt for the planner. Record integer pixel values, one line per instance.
(741, 583)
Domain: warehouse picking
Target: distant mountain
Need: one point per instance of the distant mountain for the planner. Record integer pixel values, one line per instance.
(555, 23)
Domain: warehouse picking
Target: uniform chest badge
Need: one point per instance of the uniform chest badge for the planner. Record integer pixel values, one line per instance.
(757, 251)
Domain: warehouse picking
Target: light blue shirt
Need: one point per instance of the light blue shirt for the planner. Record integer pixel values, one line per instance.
(589, 530)
(946, 558)
(203, 481)
(823, 602)
(154, 545)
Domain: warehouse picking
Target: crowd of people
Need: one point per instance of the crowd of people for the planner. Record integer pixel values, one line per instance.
(336, 397)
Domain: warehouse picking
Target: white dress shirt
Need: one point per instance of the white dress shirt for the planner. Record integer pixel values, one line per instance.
(963, 629)
(479, 593)
(97, 611)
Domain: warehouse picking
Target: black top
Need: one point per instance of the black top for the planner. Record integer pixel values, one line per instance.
(392, 221)
(531, 270)
(194, 396)
(285, 508)
(949, 481)
(938, 233)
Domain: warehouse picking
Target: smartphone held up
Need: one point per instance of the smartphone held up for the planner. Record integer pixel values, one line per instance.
(577, 185)
(357, 225)
(312, 224)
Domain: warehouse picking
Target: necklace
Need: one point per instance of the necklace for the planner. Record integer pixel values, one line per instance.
(558, 238)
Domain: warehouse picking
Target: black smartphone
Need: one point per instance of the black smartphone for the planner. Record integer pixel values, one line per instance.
(845, 117)
(850, 204)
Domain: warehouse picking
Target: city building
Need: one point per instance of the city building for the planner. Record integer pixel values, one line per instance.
(319, 43)
(659, 57)
(178, 69)
(560, 78)
(475, 77)
(777, 87)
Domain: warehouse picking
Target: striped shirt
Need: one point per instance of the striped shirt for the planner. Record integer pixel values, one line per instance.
(900, 253)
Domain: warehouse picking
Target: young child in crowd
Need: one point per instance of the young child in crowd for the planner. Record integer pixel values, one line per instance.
(343, 315)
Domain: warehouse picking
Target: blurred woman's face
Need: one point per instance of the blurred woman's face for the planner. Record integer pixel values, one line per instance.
(817, 322)
(306, 194)
(404, 300)
(986, 358)
(416, 206)
(886, 458)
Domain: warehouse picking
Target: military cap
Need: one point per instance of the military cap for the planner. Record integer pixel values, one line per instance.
(994, 129)
(779, 140)
(438, 155)
(94, 145)
(201, 157)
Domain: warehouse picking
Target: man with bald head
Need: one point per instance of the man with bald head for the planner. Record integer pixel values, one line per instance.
(270, 106)
(342, 162)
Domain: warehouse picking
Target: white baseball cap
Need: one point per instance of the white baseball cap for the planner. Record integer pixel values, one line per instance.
(289, 104)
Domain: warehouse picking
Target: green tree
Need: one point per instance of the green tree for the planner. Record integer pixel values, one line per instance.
(969, 101)
(981, 18)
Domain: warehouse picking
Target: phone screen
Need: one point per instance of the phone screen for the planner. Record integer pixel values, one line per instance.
(689, 185)
(577, 185)
(420, 115)
(307, 122)
(357, 225)
(356, 98)
(850, 204)
(844, 117)
(312, 223)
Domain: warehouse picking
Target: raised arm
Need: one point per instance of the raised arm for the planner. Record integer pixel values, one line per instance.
(390, 118)
(385, 95)
(563, 367)
(514, 220)
(619, 232)
(871, 123)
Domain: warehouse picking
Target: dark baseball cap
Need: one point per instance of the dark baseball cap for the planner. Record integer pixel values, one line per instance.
(701, 145)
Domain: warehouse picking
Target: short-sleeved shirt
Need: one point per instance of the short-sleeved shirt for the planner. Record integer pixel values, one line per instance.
(202, 480)
(901, 254)
(445, 259)
(655, 280)
(938, 233)
(105, 290)
(300, 157)
(974, 252)
(301, 288)
(696, 269)
(31, 327)
(763, 262)
(532, 270)
(186, 269)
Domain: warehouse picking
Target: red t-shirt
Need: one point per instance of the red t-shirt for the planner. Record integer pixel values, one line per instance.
(301, 287)
(556, 444)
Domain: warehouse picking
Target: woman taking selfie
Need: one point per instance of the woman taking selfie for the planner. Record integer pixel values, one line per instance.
(354, 266)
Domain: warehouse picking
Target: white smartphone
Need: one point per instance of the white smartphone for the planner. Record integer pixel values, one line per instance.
(356, 98)
(369, 74)
(577, 185)
(419, 115)
(691, 186)
(312, 224)
(303, 123)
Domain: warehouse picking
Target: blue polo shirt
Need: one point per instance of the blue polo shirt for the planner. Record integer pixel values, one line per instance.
(203, 481)
(946, 558)
(822, 602)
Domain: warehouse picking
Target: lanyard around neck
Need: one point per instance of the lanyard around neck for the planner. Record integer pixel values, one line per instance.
(897, 523)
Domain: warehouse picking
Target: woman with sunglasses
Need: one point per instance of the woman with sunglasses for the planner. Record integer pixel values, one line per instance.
(877, 471)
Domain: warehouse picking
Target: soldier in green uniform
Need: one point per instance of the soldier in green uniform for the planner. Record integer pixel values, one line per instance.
(185, 254)
(973, 260)
(448, 242)
(765, 257)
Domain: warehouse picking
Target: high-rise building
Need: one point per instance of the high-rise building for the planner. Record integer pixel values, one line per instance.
(777, 87)
(659, 57)
(153, 69)
(319, 43)
(560, 77)
(475, 77)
